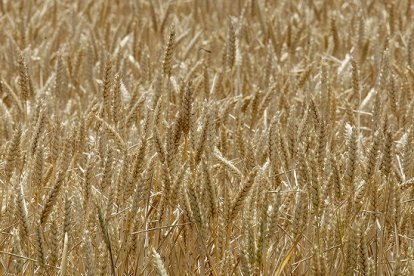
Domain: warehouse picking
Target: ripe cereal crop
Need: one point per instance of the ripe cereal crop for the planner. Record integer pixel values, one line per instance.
(204, 137)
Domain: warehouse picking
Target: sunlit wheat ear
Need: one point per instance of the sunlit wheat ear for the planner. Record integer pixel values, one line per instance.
(106, 179)
(122, 178)
(22, 212)
(185, 112)
(230, 51)
(176, 186)
(40, 248)
(61, 79)
(106, 89)
(322, 141)
(159, 264)
(349, 176)
(54, 249)
(212, 197)
(23, 78)
(392, 95)
(51, 198)
(300, 216)
(238, 203)
(314, 189)
(90, 258)
(202, 140)
(168, 53)
(13, 154)
(351, 253)
(18, 263)
(36, 174)
(195, 210)
(40, 125)
(68, 215)
(106, 238)
(116, 100)
(386, 163)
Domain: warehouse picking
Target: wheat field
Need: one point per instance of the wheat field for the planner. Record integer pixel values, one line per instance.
(204, 137)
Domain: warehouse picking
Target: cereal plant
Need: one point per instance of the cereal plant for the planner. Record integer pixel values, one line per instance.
(204, 137)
